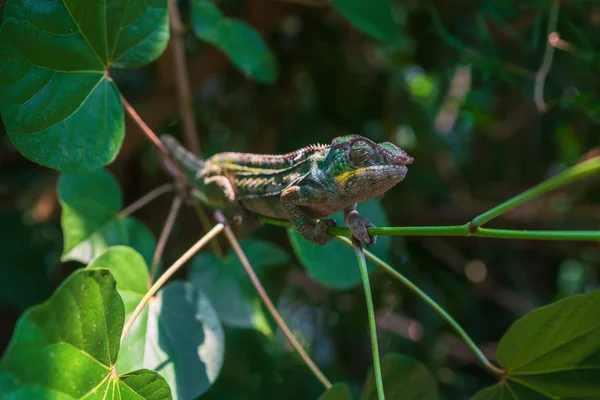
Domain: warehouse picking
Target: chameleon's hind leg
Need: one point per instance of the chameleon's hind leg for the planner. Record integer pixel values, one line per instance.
(292, 199)
(358, 225)
(218, 192)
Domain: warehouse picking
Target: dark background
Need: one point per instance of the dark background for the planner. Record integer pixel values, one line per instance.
(457, 92)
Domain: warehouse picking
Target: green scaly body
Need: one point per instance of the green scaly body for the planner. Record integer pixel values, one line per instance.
(303, 186)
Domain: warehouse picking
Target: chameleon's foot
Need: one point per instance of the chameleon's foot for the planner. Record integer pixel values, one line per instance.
(319, 233)
(358, 227)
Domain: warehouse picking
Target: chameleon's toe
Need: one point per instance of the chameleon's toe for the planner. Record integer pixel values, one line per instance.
(358, 227)
(319, 233)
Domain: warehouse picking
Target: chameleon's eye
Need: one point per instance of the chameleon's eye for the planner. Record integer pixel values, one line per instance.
(360, 153)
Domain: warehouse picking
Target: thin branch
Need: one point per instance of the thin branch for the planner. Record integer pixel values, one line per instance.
(436, 307)
(147, 198)
(182, 81)
(466, 230)
(143, 126)
(184, 98)
(364, 274)
(540, 76)
(273, 310)
(168, 273)
(164, 235)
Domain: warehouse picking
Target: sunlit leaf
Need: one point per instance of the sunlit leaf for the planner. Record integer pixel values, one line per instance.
(334, 265)
(178, 334)
(90, 221)
(403, 378)
(240, 41)
(58, 104)
(66, 348)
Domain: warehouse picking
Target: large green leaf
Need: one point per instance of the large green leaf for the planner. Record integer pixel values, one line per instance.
(403, 378)
(334, 264)
(373, 17)
(178, 334)
(339, 391)
(90, 221)
(241, 42)
(59, 106)
(66, 348)
(553, 352)
(224, 282)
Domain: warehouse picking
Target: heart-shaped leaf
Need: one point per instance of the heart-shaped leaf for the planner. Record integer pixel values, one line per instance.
(178, 334)
(339, 391)
(241, 42)
(334, 265)
(224, 282)
(90, 221)
(67, 347)
(58, 104)
(373, 17)
(552, 352)
(403, 378)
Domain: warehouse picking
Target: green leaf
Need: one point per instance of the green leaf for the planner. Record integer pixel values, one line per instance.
(66, 347)
(334, 265)
(373, 17)
(224, 282)
(178, 334)
(509, 391)
(90, 205)
(339, 391)
(241, 42)
(59, 106)
(554, 351)
(403, 378)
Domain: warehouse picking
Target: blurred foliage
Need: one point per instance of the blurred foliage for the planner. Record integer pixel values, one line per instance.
(452, 82)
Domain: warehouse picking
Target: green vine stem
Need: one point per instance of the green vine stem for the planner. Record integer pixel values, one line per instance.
(576, 172)
(447, 317)
(364, 274)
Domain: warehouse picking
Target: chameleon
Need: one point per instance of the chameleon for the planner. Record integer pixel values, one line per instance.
(303, 186)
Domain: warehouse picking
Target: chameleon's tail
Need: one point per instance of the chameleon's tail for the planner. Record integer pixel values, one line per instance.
(186, 161)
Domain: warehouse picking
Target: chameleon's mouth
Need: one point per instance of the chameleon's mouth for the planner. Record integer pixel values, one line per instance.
(393, 172)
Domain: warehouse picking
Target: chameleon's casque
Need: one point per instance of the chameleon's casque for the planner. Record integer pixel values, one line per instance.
(303, 186)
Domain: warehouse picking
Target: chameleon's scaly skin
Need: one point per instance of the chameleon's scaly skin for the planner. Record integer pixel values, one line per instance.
(303, 186)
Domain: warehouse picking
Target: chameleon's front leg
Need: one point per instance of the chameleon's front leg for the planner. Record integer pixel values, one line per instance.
(358, 225)
(291, 199)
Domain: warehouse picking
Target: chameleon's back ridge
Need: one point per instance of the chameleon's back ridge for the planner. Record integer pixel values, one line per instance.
(303, 186)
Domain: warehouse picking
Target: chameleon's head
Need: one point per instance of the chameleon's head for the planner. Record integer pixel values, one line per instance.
(364, 169)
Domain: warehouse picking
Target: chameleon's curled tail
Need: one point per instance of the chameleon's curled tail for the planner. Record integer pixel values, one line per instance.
(186, 161)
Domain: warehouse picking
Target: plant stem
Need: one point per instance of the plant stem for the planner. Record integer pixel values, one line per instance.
(437, 308)
(182, 81)
(145, 199)
(466, 230)
(164, 235)
(143, 126)
(169, 272)
(364, 274)
(273, 310)
(579, 171)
